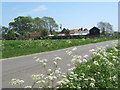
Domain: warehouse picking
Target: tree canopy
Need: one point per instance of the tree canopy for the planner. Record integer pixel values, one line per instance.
(105, 27)
(25, 24)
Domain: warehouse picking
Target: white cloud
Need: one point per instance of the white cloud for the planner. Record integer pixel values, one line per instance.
(35, 10)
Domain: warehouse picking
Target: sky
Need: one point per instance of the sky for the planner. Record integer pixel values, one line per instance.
(72, 15)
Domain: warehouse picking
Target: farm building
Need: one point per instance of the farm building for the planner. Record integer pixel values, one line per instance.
(34, 34)
(79, 31)
(94, 32)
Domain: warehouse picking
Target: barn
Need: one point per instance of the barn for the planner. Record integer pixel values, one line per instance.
(94, 32)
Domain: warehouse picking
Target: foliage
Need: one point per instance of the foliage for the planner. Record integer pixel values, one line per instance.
(24, 47)
(25, 24)
(99, 72)
(50, 24)
(105, 27)
(10, 35)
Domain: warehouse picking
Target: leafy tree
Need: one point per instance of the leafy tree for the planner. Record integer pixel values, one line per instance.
(44, 32)
(10, 35)
(105, 27)
(0, 29)
(21, 24)
(4, 31)
(50, 24)
(37, 24)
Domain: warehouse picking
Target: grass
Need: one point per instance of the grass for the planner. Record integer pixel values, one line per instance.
(12, 48)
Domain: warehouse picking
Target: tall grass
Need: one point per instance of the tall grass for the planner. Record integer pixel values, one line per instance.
(12, 48)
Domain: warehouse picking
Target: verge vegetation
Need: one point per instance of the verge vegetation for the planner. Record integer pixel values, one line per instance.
(12, 48)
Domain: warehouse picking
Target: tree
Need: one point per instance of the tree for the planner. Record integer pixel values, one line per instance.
(4, 31)
(105, 27)
(21, 25)
(37, 24)
(50, 24)
(0, 29)
(10, 35)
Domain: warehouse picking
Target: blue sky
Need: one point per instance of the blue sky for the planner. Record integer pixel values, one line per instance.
(71, 15)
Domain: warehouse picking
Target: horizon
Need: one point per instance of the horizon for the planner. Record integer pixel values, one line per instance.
(72, 15)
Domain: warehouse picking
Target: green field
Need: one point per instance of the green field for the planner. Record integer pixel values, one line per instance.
(12, 48)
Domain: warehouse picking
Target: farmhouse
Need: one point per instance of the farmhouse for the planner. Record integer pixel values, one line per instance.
(79, 31)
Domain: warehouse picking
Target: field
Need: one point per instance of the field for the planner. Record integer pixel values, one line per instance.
(12, 48)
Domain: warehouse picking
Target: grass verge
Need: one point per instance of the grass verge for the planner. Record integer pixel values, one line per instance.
(12, 48)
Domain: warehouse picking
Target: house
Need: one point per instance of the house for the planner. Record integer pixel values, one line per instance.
(34, 34)
(94, 32)
(79, 31)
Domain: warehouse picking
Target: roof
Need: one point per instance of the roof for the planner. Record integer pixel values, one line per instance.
(75, 30)
(17, 33)
(94, 28)
(34, 34)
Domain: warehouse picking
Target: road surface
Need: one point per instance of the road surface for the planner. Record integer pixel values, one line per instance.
(23, 67)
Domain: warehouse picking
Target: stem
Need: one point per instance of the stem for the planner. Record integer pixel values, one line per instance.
(34, 84)
(52, 83)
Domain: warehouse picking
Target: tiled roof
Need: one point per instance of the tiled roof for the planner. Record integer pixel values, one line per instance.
(34, 34)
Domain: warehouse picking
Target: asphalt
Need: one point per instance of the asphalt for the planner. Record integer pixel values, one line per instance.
(23, 67)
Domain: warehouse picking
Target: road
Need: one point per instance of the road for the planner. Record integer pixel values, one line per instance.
(23, 67)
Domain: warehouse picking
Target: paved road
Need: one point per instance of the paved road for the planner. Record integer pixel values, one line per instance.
(23, 67)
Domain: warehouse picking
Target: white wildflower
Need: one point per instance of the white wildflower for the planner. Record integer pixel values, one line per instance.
(96, 63)
(49, 86)
(41, 81)
(68, 41)
(85, 56)
(84, 60)
(88, 66)
(57, 71)
(92, 84)
(71, 72)
(37, 76)
(85, 79)
(92, 79)
(69, 52)
(58, 58)
(74, 49)
(16, 82)
(92, 50)
(28, 87)
(114, 78)
(55, 63)
(63, 76)
(49, 70)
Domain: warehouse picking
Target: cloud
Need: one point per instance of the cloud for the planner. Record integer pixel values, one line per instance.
(35, 10)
